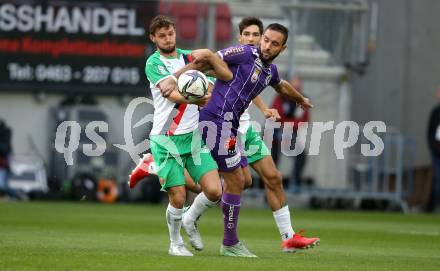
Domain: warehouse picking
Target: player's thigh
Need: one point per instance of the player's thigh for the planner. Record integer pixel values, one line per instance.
(200, 163)
(169, 169)
(211, 186)
(203, 169)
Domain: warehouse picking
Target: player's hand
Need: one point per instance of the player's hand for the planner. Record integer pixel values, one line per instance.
(201, 55)
(203, 101)
(203, 66)
(305, 103)
(167, 86)
(271, 113)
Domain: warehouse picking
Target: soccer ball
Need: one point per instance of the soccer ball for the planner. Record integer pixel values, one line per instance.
(192, 84)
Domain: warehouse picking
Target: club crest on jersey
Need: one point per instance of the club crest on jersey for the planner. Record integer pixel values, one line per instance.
(255, 75)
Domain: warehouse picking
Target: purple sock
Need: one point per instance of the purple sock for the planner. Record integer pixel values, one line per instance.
(231, 208)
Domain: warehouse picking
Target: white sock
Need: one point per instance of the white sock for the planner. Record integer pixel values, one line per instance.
(174, 222)
(201, 204)
(282, 218)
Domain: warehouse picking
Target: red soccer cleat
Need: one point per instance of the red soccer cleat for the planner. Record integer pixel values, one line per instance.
(297, 241)
(141, 171)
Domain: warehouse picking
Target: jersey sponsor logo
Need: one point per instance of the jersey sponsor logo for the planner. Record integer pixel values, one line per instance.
(234, 51)
(233, 161)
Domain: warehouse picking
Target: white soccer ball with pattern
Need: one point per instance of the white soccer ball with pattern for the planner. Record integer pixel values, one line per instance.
(192, 84)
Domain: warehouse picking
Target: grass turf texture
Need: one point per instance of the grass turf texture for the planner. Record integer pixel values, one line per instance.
(85, 236)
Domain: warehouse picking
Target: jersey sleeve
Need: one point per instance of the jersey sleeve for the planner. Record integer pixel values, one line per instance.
(275, 80)
(155, 70)
(235, 54)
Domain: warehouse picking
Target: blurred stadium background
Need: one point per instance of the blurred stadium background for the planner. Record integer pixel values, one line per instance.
(358, 60)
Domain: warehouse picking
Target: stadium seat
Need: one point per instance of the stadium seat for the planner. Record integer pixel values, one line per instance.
(187, 14)
(223, 23)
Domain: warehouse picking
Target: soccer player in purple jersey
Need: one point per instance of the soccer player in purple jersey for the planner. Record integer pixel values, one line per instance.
(253, 71)
(251, 30)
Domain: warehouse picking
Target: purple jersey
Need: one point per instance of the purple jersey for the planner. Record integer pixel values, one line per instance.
(251, 76)
(230, 99)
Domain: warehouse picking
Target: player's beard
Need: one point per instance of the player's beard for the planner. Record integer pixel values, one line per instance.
(271, 58)
(167, 50)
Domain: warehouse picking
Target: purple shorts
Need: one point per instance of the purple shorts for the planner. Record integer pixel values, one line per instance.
(221, 138)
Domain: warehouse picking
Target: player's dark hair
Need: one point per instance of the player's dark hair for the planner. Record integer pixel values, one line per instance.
(160, 21)
(279, 28)
(248, 21)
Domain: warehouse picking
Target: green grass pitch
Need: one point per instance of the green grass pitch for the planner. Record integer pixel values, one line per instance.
(85, 236)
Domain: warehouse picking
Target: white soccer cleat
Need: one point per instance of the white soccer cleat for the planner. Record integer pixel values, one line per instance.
(179, 250)
(190, 228)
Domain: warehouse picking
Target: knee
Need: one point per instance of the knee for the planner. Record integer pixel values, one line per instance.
(213, 193)
(177, 199)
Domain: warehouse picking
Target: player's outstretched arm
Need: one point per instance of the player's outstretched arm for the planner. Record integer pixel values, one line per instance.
(220, 67)
(267, 112)
(286, 89)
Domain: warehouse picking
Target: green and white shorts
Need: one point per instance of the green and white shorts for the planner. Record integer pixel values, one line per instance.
(172, 154)
(254, 146)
